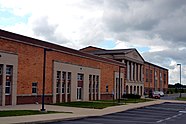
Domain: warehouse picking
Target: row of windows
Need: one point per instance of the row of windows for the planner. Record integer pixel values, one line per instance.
(62, 88)
(149, 76)
(93, 83)
(64, 75)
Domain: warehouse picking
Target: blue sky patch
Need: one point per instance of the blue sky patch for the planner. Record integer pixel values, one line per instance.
(108, 44)
(7, 18)
(143, 49)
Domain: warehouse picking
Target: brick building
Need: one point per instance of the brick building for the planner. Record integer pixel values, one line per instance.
(71, 75)
(140, 76)
(155, 78)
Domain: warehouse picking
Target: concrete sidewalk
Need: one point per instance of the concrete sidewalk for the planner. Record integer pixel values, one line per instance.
(76, 112)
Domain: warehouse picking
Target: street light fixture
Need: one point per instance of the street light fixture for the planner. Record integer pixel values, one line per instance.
(43, 93)
(180, 78)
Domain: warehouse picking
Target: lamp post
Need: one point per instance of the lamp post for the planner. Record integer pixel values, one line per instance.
(180, 78)
(43, 92)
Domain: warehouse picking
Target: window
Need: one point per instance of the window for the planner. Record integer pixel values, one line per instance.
(63, 88)
(68, 88)
(89, 87)
(97, 88)
(97, 84)
(80, 77)
(90, 81)
(1, 70)
(155, 73)
(147, 75)
(34, 88)
(69, 75)
(64, 75)
(58, 74)
(57, 87)
(8, 70)
(8, 88)
(165, 76)
(107, 88)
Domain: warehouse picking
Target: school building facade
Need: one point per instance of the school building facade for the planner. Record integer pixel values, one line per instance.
(140, 76)
(70, 75)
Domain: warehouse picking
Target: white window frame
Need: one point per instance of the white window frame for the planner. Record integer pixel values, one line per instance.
(80, 77)
(63, 88)
(34, 87)
(69, 75)
(107, 88)
(8, 86)
(58, 74)
(9, 70)
(57, 87)
(68, 88)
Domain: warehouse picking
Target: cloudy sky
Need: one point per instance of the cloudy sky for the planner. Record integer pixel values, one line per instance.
(156, 28)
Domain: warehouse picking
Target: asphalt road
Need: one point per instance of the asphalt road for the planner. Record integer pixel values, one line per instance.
(166, 113)
(173, 96)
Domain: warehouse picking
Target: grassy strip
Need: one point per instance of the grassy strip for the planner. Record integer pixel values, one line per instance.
(129, 100)
(6, 113)
(101, 103)
(95, 105)
(182, 98)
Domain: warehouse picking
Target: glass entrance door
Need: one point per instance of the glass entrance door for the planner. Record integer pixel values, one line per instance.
(79, 93)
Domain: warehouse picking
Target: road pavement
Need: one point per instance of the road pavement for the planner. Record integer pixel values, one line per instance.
(165, 113)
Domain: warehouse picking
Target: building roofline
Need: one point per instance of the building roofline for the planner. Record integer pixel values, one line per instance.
(44, 44)
(156, 65)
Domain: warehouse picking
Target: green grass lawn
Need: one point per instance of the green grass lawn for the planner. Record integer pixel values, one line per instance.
(182, 98)
(6, 113)
(95, 105)
(129, 100)
(101, 103)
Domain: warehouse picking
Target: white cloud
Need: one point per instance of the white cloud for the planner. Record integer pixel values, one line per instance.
(157, 24)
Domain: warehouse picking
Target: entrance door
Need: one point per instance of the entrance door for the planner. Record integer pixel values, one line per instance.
(79, 93)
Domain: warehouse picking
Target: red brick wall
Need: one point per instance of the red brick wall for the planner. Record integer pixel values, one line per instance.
(150, 84)
(30, 66)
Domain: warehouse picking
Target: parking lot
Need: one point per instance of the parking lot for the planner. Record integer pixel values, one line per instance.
(166, 113)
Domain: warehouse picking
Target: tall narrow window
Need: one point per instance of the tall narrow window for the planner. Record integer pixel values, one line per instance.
(90, 83)
(107, 88)
(97, 83)
(58, 74)
(165, 76)
(34, 88)
(93, 87)
(57, 87)
(1, 70)
(63, 88)
(8, 88)
(147, 75)
(68, 88)
(64, 75)
(69, 75)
